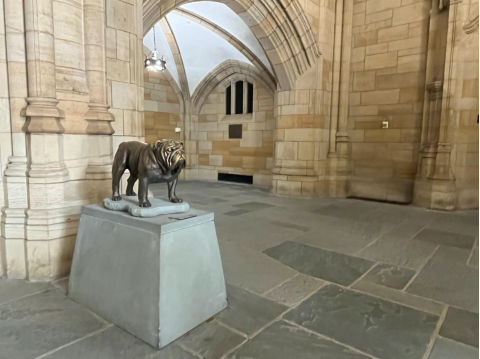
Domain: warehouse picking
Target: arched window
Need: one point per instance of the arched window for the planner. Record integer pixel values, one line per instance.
(228, 100)
(249, 97)
(242, 98)
(239, 97)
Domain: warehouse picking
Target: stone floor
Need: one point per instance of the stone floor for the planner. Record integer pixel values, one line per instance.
(321, 278)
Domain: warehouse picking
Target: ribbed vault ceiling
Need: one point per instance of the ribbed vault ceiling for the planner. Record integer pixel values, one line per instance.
(206, 34)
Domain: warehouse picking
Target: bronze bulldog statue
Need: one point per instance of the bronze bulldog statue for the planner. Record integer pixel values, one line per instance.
(161, 162)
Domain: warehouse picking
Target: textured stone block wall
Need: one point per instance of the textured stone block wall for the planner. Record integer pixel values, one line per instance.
(251, 155)
(387, 83)
(162, 109)
(56, 157)
(465, 105)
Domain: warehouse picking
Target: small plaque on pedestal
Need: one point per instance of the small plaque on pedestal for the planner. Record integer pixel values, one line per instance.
(157, 278)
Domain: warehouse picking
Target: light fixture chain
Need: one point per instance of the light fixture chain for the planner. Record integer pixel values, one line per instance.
(154, 39)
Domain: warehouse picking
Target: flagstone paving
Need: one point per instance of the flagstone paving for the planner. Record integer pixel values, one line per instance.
(306, 279)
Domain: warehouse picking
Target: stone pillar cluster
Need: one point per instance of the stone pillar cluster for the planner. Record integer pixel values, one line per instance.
(56, 141)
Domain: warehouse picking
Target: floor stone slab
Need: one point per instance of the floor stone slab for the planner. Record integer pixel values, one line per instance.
(296, 213)
(449, 283)
(210, 340)
(400, 297)
(372, 325)
(461, 325)
(320, 263)
(403, 253)
(16, 288)
(248, 312)
(237, 212)
(445, 238)
(209, 201)
(253, 206)
(114, 343)
(410, 227)
(341, 235)
(37, 324)
(282, 340)
(390, 276)
(369, 211)
(255, 233)
(448, 349)
(451, 254)
(457, 223)
(252, 270)
(290, 225)
(295, 290)
(473, 262)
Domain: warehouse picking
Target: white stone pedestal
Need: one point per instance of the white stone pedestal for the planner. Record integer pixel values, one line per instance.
(157, 278)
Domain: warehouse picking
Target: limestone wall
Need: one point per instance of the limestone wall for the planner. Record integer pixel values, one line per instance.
(5, 129)
(60, 75)
(163, 108)
(302, 114)
(387, 83)
(465, 107)
(251, 155)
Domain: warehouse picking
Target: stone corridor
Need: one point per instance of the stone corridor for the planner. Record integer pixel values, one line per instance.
(307, 278)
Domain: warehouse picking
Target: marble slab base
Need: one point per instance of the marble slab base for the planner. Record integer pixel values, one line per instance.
(159, 206)
(156, 278)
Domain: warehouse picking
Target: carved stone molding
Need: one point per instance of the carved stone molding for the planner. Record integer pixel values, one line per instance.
(435, 90)
(442, 4)
(473, 23)
(99, 120)
(43, 116)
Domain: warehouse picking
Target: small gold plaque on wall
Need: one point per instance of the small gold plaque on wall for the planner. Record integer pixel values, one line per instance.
(385, 124)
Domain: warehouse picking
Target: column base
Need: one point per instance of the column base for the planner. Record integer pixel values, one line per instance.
(297, 186)
(43, 116)
(337, 176)
(99, 120)
(437, 194)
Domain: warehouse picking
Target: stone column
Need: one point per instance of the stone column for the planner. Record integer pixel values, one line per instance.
(302, 113)
(12, 239)
(43, 115)
(443, 189)
(99, 118)
(432, 130)
(5, 127)
(337, 167)
(432, 105)
(47, 221)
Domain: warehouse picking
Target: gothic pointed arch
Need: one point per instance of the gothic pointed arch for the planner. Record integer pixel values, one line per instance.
(249, 54)
(172, 42)
(222, 72)
(280, 26)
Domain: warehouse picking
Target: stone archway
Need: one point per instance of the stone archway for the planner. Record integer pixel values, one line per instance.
(222, 72)
(281, 28)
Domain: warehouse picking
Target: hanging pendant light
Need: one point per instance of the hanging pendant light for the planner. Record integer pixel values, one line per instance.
(152, 61)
